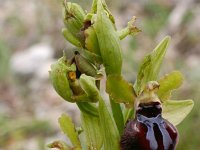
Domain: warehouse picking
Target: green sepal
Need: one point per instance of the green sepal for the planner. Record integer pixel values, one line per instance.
(91, 127)
(58, 77)
(169, 83)
(88, 85)
(176, 110)
(150, 66)
(71, 38)
(120, 90)
(69, 130)
(61, 145)
(109, 42)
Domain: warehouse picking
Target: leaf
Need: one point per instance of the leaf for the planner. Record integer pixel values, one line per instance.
(150, 66)
(109, 42)
(168, 83)
(88, 85)
(109, 130)
(119, 89)
(91, 127)
(176, 110)
(69, 129)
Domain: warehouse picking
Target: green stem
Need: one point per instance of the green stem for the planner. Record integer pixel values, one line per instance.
(123, 33)
(117, 115)
(129, 113)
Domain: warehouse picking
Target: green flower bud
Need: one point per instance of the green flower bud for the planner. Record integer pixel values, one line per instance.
(58, 77)
(91, 41)
(73, 17)
(85, 67)
(63, 76)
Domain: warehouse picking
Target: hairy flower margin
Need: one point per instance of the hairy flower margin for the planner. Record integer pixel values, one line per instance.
(77, 80)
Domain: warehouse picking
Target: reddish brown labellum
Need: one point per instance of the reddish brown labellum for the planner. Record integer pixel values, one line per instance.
(149, 131)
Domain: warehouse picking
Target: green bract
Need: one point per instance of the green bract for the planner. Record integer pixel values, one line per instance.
(108, 39)
(116, 83)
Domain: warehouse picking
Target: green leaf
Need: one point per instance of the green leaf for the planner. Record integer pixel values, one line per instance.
(109, 130)
(119, 89)
(109, 42)
(88, 85)
(68, 128)
(168, 83)
(150, 66)
(176, 110)
(91, 127)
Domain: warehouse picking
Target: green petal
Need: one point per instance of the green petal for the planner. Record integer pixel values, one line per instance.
(168, 83)
(176, 110)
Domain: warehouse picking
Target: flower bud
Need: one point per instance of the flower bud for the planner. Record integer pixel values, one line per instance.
(85, 67)
(64, 76)
(73, 17)
(58, 77)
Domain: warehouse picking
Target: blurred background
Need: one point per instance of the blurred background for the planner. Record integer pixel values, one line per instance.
(31, 40)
